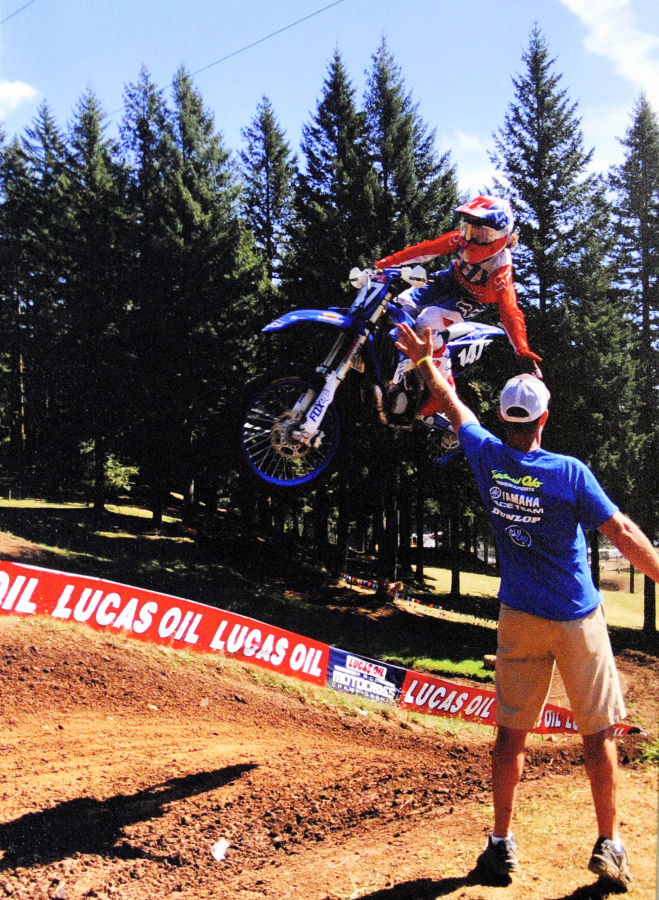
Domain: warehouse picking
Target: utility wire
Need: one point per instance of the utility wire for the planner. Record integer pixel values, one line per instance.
(2, 22)
(266, 38)
(242, 49)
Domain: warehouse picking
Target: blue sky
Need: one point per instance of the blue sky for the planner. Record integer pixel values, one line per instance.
(457, 60)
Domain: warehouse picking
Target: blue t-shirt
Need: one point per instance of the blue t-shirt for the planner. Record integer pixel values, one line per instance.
(538, 503)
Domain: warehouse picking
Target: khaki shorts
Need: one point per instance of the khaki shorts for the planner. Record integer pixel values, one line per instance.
(529, 647)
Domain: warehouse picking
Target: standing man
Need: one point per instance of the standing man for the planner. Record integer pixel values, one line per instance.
(551, 614)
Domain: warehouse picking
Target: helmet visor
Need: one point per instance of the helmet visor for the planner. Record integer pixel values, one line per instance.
(475, 233)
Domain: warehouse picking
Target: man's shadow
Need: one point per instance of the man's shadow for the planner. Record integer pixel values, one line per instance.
(94, 826)
(431, 889)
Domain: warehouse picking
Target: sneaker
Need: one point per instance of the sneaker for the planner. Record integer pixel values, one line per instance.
(500, 858)
(607, 862)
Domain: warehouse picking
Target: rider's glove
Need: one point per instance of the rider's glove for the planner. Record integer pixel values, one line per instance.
(528, 362)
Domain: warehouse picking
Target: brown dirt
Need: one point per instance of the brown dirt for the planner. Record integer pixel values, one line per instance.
(124, 764)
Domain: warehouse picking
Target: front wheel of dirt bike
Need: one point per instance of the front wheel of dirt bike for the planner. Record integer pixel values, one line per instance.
(270, 427)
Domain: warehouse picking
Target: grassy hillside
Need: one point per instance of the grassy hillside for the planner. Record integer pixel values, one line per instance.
(249, 576)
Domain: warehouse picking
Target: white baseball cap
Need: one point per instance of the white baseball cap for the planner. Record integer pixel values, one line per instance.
(524, 398)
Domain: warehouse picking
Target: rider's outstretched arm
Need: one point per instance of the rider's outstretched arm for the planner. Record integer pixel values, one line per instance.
(420, 352)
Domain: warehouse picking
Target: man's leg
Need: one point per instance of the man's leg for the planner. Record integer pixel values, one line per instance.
(500, 855)
(601, 759)
(608, 859)
(507, 765)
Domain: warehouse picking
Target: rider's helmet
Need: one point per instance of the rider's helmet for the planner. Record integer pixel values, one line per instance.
(486, 225)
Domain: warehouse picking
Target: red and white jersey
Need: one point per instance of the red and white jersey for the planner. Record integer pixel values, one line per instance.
(490, 281)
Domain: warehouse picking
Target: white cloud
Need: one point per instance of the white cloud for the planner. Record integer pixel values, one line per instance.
(613, 33)
(13, 94)
(475, 171)
(602, 127)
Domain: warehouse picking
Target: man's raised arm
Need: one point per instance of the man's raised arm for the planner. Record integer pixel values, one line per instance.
(420, 352)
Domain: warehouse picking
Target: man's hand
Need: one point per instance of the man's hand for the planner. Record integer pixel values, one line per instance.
(412, 345)
(419, 350)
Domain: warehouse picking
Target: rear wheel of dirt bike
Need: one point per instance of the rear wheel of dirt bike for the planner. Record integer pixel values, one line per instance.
(270, 425)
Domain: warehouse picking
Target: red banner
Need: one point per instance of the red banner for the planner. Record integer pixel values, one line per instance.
(184, 624)
(438, 697)
(159, 619)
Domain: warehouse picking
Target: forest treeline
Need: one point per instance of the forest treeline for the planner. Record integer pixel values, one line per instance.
(137, 272)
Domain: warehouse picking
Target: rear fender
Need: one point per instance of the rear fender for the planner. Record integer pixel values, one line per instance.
(466, 349)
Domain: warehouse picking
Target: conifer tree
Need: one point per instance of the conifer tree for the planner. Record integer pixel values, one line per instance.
(148, 152)
(216, 320)
(540, 152)
(636, 183)
(94, 345)
(334, 197)
(563, 265)
(43, 270)
(636, 186)
(16, 186)
(417, 190)
(268, 168)
(194, 275)
(594, 409)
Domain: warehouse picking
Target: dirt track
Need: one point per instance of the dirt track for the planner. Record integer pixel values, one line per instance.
(123, 765)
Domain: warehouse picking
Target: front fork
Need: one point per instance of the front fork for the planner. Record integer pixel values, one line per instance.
(313, 408)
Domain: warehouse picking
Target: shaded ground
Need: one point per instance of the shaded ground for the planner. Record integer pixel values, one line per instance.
(123, 765)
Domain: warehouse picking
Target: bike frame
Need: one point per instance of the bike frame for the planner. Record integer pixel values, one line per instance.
(357, 326)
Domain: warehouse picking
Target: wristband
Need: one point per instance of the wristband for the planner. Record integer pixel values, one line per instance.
(427, 358)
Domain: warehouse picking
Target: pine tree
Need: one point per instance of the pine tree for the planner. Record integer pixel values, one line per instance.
(563, 264)
(43, 270)
(16, 186)
(194, 276)
(217, 319)
(148, 152)
(636, 185)
(96, 307)
(594, 410)
(334, 197)
(417, 190)
(268, 169)
(540, 152)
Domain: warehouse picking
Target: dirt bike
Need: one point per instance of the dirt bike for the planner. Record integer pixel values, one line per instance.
(291, 424)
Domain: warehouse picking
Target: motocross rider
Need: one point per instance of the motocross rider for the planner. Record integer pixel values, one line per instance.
(480, 273)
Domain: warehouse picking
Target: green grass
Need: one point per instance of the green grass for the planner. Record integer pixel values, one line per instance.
(623, 610)
(650, 753)
(468, 668)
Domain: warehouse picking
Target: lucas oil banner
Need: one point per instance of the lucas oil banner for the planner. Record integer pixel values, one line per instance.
(184, 624)
(438, 697)
(159, 619)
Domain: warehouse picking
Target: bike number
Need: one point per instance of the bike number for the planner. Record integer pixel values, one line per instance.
(471, 354)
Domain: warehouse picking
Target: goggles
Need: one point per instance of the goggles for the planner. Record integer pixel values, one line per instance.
(479, 234)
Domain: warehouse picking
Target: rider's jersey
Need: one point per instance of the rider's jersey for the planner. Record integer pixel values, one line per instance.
(490, 281)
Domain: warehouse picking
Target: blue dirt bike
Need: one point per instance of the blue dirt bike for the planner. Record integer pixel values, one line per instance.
(290, 423)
